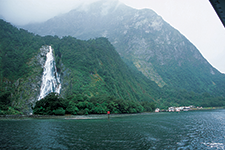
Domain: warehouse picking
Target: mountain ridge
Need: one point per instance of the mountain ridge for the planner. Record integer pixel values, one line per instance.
(90, 68)
(144, 41)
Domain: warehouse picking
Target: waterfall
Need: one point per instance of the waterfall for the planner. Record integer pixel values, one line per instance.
(50, 78)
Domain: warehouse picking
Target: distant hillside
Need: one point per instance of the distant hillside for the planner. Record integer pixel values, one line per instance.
(144, 41)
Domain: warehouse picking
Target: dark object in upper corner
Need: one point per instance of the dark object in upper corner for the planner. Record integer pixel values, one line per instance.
(219, 7)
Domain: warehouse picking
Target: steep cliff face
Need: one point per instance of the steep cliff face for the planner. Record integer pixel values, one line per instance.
(28, 88)
(144, 41)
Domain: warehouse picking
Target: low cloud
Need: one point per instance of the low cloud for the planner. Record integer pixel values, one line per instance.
(21, 12)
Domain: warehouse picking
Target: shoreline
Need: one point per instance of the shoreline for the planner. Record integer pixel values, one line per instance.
(207, 108)
(195, 109)
(67, 117)
(89, 116)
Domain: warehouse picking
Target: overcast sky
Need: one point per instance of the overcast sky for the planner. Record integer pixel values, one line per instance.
(195, 19)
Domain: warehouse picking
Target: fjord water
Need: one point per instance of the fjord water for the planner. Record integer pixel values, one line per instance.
(183, 130)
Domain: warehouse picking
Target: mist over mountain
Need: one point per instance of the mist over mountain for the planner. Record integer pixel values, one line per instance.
(144, 41)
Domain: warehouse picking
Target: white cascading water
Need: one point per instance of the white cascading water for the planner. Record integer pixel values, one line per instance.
(50, 78)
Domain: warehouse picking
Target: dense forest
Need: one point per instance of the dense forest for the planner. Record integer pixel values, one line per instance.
(93, 75)
(52, 104)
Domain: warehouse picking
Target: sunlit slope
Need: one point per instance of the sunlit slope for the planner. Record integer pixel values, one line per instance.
(144, 41)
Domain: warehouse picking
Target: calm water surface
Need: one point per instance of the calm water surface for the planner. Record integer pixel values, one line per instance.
(184, 130)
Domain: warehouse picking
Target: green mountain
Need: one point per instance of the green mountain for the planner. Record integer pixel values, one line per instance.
(144, 41)
(93, 69)
(90, 68)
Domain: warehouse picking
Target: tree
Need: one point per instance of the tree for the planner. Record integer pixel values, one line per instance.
(49, 105)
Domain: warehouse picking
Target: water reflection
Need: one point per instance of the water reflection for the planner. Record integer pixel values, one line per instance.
(185, 130)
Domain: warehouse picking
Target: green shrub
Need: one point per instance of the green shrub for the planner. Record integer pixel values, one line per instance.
(59, 111)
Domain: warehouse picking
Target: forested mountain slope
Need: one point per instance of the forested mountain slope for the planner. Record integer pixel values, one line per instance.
(144, 41)
(20, 70)
(89, 68)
